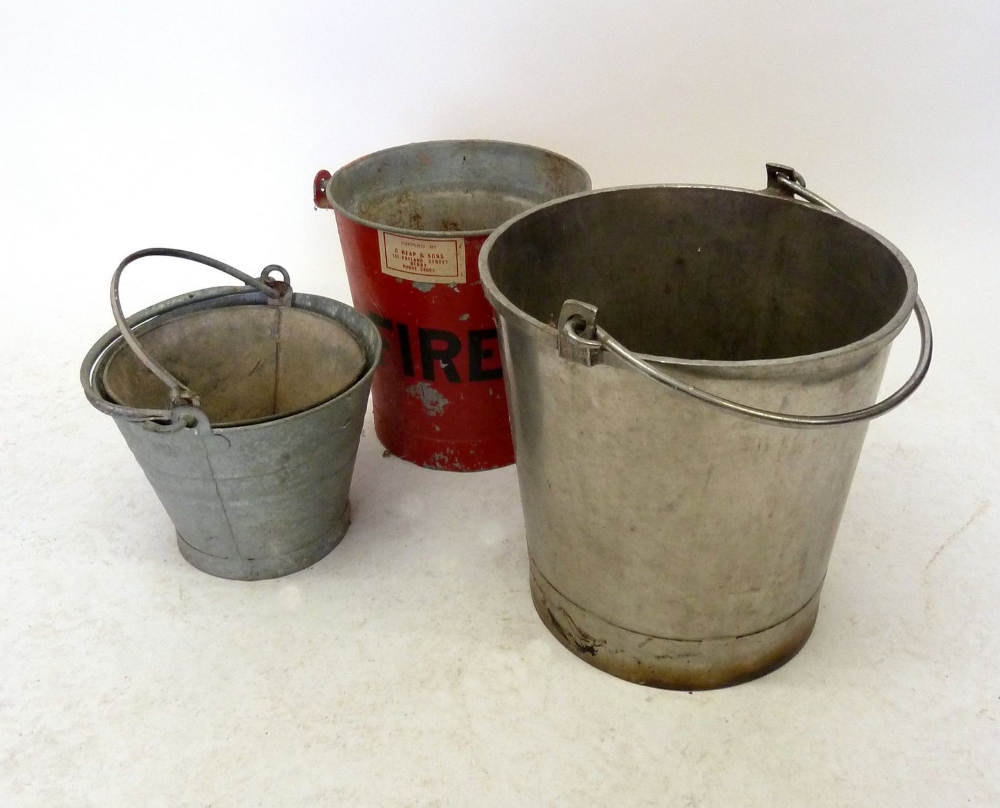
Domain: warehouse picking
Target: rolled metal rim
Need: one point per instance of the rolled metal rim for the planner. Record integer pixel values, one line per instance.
(884, 334)
(578, 334)
(190, 302)
(179, 393)
(481, 146)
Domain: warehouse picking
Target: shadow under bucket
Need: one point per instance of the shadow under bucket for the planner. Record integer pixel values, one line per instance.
(252, 454)
(678, 529)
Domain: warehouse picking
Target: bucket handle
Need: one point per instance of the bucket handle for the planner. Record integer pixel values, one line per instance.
(277, 292)
(581, 340)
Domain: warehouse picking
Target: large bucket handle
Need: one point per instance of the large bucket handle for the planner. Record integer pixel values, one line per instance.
(581, 339)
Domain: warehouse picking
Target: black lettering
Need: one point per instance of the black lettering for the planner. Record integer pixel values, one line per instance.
(477, 353)
(379, 320)
(405, 350)
(445, 355)
(385, 323)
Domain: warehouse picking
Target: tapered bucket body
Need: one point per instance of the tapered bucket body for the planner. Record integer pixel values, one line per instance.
(255, 472)
(412, 220)
(672, 542)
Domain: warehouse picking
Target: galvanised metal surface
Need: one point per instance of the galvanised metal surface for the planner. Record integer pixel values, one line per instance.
(253, 451)
(673, 541)
(412, 220)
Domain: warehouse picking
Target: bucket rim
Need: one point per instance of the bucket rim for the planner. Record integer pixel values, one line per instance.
(223, 297)
(885, 334)
(478, 144)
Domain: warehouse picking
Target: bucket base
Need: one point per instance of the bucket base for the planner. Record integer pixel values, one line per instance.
(482, 454)
(257, 569)
(671, 664)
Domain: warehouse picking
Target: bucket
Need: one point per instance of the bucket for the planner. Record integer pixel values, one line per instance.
(412, 220)
(691, 370)
(252, 453)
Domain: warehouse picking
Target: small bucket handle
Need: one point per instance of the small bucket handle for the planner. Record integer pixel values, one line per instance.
(581, 340)
(277, 292)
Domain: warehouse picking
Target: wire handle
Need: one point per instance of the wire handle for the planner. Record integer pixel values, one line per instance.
(789, 181)
(180, 394)
(581, 340)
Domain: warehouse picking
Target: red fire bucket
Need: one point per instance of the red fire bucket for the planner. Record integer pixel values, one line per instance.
(412, 220)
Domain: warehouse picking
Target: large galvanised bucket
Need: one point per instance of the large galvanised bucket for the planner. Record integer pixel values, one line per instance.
(412, 220)
(244, 407)
(691, 370)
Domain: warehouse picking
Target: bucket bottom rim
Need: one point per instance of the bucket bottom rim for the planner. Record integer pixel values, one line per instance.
(260, 569)
(666, 663)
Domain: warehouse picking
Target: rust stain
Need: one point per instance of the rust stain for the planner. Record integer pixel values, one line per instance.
(678, 671)
(679, 677)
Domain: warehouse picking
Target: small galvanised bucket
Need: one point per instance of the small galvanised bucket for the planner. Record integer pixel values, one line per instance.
(678, 529)
(412, 220)
(252, 453)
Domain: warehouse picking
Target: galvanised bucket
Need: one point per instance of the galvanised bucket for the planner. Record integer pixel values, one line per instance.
(252, 453)
(678, 528)
(412, 220)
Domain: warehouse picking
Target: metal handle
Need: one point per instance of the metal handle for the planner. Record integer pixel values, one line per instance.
(581, 340)
(789, 181)
(180, 394)
(320, 182)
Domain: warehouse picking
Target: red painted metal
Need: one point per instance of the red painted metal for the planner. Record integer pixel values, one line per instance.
(412, 220)
(434, 405)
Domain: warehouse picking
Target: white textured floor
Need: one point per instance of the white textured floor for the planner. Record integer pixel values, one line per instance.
(408, 667)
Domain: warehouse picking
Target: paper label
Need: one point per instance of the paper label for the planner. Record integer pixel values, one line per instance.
(430, 260)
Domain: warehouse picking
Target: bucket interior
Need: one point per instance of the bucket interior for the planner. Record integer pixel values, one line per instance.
(703, 273)
(452, 186)
(442, 209)
(246, 363)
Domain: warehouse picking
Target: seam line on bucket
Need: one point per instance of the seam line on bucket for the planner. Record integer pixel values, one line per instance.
(218, 494)
(277, 359)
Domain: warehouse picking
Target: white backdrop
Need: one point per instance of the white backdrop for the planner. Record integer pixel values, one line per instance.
(201, 125)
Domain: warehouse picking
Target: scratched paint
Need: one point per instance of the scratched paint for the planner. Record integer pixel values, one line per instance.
(433, 401)
(446, 461)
